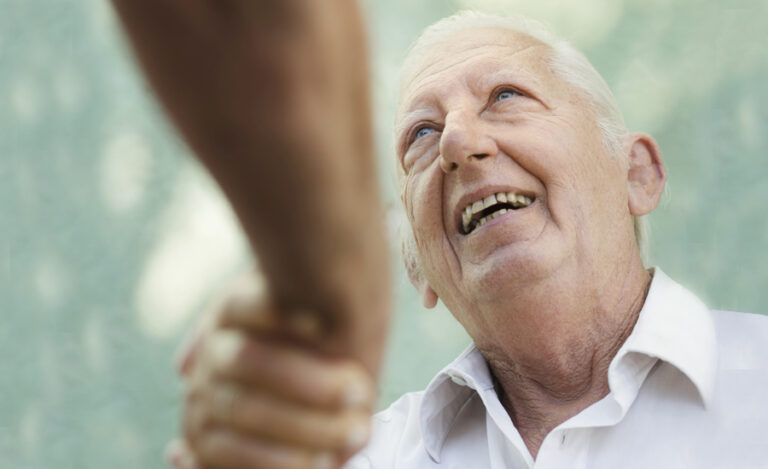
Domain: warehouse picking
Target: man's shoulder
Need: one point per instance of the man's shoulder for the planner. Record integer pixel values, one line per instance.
(756, 319)
(401, 408)
(742, 340)
(399, 420)
(392, 426)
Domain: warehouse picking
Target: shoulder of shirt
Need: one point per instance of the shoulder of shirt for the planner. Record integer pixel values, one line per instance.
(401, 408)
(742, 340)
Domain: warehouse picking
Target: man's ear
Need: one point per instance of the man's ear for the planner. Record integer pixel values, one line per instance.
(646, 176)
(415, 274)
(428, 296)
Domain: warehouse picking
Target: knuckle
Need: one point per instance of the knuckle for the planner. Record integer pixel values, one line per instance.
(212, 447)
(252, 412)
(358, 433)
(356, 372)
(353, 431)
(225, 404)
(222, 448)
(226, 350)
(324, 460)
(354, 387)
(245, 299)
(197, 420)
(340, 431)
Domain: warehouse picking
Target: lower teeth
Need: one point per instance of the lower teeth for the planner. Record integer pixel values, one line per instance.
(487, 218)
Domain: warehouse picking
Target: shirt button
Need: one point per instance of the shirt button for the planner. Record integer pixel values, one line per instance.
(458, 380)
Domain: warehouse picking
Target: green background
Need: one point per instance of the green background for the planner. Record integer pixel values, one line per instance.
(112, 240)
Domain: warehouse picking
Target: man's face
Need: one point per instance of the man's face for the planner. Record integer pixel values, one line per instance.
(484, 115)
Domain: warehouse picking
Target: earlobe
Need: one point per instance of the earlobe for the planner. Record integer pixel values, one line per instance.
(646, 176)
(428, 296)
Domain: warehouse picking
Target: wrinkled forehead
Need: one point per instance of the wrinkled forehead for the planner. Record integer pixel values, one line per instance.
(472, 50)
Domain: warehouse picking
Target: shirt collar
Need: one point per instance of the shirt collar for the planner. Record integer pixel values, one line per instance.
(673, 325)
(448, 393)
(677, 328)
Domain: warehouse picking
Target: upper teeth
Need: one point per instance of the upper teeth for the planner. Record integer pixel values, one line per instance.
(469, 218)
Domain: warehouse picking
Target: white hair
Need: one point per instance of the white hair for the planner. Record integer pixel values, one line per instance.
(566, 62)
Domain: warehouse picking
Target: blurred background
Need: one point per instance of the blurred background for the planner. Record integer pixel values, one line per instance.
(112, 240)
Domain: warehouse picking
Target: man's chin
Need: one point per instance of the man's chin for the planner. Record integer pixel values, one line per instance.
(507, 235)
(514, 266)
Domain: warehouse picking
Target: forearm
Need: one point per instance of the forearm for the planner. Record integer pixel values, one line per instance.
(279, 113)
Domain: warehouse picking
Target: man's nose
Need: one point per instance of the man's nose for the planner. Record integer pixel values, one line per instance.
(464, 141)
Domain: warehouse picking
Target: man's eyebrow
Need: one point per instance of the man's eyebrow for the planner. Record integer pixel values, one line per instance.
(516, 77)
(512, 76)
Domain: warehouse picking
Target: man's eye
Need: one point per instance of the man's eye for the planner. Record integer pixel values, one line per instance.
(507, 93)
(422, 132)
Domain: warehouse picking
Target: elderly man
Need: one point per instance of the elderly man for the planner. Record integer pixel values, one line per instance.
(523, 190)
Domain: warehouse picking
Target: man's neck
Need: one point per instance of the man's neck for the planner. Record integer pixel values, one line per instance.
(556, 380)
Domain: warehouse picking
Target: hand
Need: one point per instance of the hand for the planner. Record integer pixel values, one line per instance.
(256, 398)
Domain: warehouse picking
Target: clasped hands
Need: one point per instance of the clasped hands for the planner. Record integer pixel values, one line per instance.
(258, 397)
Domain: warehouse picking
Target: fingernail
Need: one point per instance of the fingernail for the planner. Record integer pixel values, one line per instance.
(225, 347)
(357, 435)
(356, 394)
(183, 357)
(324, 461)
(173, 453)
(177, 457)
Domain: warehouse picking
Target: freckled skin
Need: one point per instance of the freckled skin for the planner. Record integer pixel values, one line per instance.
(547, 293)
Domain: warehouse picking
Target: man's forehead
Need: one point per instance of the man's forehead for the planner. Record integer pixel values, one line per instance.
(493, 46)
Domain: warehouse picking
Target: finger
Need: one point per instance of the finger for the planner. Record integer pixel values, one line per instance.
(278, 420)
(216, 403)
(196, 418)
(179, 456)
(248, 307)
(228, 450)
(294, 373)
(240, 307)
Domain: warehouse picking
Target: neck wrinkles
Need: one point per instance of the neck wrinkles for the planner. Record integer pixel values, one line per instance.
(545, 388)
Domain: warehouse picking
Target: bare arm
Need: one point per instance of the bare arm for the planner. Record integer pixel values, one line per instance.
(272, 96)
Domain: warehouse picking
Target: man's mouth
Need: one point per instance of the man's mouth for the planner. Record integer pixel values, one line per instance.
(482, 211)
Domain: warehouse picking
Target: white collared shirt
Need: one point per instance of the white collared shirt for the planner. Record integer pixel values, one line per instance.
(688, 389)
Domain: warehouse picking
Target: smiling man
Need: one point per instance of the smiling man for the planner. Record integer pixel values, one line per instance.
(523, 189)
(522, 215)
